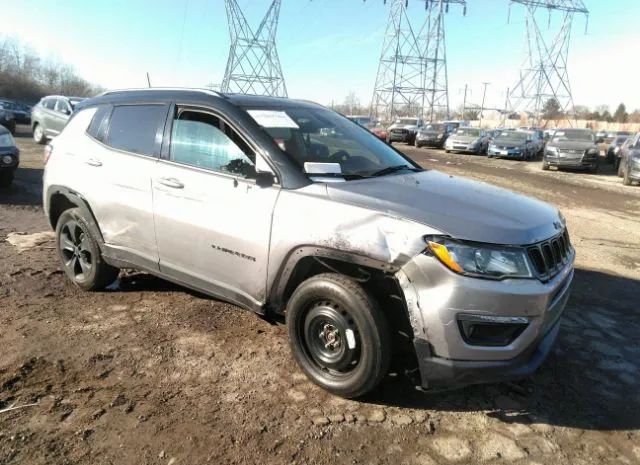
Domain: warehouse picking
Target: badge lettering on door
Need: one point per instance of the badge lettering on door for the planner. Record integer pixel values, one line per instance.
(233, 252)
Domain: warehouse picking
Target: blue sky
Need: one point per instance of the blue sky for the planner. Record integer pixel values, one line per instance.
(327, 47)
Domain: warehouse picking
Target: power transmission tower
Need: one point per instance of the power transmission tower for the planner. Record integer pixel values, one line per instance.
(412, 74)
(253, 66)
(544, 75)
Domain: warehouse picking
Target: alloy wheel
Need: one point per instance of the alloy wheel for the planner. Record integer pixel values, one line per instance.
(76, 251)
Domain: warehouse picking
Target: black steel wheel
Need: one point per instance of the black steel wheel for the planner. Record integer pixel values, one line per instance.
(338, 335)
(80, 254)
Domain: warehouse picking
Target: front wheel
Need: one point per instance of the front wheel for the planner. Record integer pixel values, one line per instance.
(545, 166)
(80, 254)
(338, 335)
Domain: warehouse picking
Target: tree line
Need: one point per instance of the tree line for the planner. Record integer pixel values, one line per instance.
(26, 77)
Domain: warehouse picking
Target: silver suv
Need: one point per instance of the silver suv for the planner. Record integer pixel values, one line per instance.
(50, 115)
(365, 255)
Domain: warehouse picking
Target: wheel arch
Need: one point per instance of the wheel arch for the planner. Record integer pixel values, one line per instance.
(60, 199)
(377, 277)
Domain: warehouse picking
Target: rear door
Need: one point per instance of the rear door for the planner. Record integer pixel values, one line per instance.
(122, 159)
(213, 222)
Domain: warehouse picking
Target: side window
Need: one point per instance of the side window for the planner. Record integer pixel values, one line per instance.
(49, 103)
(62, 107)
(100, 122)
(137, 128)
(205, 141)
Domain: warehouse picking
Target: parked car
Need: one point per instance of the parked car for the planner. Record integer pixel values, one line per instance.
(629, 164)
(624, 147)
(360, 250)
(600, 136)
(614, 148)
(537, 141)
(8, 121)
(513, 144)
(404, 130)
(380, 132)
(9, 157)
(572, 148)
(467, 140)
(19, 114)
(433, 135)
(50, 115)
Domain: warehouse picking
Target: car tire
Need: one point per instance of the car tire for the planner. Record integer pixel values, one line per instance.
(626, 179)
(338, 335)
(38, 134)
(545, 166)
(594, 169)
(6, 178)
(80, 254)
(447, 151)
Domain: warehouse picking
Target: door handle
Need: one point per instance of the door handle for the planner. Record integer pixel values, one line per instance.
(93, 162)
(171, 182)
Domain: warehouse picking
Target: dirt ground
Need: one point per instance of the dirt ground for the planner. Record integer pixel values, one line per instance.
(151, 373)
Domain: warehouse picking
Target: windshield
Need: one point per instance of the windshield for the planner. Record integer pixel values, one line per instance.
(434, 127)
(573, 134)
(407, 121)
(468, 132)
(513, 135)
(322, 136)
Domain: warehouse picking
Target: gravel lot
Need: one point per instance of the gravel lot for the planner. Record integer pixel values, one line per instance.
(150, 373)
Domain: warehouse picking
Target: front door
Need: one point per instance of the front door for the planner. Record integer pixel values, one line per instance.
(213, 221)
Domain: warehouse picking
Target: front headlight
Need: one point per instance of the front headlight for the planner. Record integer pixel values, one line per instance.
(6, 141)
(593, 152)
(440, 135)
(552, 150)
(480, 260)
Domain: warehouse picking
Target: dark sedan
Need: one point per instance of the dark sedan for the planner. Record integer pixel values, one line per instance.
(9, 157)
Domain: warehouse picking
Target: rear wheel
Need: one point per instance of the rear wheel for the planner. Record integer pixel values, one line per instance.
(38, 134)
(338, 335)
(80, 254)
(545, 166)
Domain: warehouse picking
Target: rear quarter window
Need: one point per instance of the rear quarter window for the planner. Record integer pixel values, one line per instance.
(137, 128)
(100, 122)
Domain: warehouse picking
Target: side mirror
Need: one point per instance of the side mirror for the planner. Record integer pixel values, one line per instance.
(264, 174)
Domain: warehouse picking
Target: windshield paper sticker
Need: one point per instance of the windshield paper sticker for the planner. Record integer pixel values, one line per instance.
(273, 119)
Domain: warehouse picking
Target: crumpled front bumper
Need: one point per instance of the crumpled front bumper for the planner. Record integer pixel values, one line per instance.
(436, 298)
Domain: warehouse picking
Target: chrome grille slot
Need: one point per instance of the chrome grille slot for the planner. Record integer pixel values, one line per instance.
(548, 257)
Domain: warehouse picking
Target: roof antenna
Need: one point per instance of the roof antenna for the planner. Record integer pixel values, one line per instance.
(148, 80)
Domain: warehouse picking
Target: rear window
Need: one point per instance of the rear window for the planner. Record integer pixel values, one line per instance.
(137, 128)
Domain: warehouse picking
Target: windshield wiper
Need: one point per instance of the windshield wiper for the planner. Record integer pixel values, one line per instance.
(393, 169)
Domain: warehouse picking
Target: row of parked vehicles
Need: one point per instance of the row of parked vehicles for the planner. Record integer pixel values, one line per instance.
(561, 148)
(47, 119)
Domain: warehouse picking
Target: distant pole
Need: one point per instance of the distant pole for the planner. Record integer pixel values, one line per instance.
(506, 108)
(148, 80)
(484, 94)
(464, 103)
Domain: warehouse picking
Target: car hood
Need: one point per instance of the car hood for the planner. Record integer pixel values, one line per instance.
(464, 138)
(572, 145)
(403, 126)
(461, 208)
(431, 132)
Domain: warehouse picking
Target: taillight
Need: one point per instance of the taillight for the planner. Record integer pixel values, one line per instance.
(48, 150)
